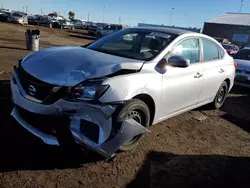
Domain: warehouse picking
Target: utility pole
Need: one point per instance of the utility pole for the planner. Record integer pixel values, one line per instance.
(119, 19)
(103, 14)
(171, 15)
(26, 9)
(88, 16)
(41, 10)
(23, 9)
(241, 5)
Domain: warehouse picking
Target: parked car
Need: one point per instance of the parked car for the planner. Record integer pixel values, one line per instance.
(79, 24)
(4, 16)
(243, 67)
(231, 49)
(106, 95)
(88, 23)
(17, 17)
(93, 28)
(107, 29)
(64, 24)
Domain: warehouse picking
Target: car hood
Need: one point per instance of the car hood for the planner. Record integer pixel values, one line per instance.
(243, 64)
(69, 66)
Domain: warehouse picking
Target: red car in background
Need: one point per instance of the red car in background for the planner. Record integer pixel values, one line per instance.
(231, 49)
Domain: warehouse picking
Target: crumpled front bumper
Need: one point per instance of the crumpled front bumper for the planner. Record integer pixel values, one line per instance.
(100, 115)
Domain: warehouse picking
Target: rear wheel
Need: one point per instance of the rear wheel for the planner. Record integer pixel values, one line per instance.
(137, 110)
(98, 35)
(220, 96)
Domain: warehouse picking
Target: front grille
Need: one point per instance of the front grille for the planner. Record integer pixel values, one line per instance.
(47, 124)
(42, 89)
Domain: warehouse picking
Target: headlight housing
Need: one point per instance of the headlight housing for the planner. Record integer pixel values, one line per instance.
(87, 91)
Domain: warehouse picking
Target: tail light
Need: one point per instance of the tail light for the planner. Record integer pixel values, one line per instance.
(235, 64)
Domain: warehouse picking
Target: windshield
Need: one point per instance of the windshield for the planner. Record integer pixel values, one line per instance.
(243, 54)
(133, 43)
(17, 15)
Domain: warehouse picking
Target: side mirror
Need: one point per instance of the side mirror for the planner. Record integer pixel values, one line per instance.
(178, 61)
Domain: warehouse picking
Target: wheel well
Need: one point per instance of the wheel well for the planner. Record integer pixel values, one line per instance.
(228, 82)
(148, 100)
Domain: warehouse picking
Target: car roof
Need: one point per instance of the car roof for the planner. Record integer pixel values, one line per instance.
(165, 30)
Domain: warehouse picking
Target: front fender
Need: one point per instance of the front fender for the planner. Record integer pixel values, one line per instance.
(125, 87)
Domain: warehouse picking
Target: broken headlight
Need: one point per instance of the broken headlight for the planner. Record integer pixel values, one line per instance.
(88, 92)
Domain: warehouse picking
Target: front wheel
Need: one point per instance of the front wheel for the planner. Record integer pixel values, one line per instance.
(137, 110)
(220, 96)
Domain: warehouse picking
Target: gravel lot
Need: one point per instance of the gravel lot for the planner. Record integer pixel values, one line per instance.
(200, 148)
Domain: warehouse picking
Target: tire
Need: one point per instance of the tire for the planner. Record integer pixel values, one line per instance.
(137, 110)
(220, 96)
(98, 35)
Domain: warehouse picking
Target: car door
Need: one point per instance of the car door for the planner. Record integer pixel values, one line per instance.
(214, 70)
(181, 86)
(104, 31)
(111, 29)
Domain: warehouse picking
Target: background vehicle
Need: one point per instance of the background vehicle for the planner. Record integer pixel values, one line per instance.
(64, 24)
(41, 20)
(243, 67)
(107, 29)
(230, 48)
(17, 17)
(93, 28)
(79, 24)
(4, 16)
(222, 40)
(163, 72)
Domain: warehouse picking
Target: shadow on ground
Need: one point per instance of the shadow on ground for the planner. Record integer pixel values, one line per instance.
(19, 150)
(83, 37)
(77, 32)
(162, 169)
(13, 48)
(237, 108)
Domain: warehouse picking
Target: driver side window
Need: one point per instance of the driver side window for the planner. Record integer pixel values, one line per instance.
(189, 49)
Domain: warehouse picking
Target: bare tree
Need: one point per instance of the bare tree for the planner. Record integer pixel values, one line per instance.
(53, 14)
(71, 15)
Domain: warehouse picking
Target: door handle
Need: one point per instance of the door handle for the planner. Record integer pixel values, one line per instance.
(198, 75)
(221, 71)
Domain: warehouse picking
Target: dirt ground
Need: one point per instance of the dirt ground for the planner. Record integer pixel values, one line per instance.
(200, 148)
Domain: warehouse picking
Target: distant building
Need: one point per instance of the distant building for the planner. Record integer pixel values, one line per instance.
(232, 26)
(184, 28)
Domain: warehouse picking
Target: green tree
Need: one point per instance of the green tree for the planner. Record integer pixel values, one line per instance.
(71, 15)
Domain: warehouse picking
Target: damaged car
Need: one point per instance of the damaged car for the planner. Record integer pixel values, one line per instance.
(105, 96)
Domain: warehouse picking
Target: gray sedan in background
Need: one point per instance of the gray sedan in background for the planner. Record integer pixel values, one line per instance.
(106, 95)
(243, 67)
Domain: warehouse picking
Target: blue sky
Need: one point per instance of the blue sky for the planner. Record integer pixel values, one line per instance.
(186, 13)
